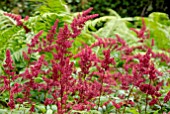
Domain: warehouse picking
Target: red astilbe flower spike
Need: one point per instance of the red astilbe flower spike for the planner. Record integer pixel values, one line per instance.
(51, 33)
(162, 56)
(48, 101)
(17, 18)
(148, 89)
(88, 91)
(63, 42)
(107, 60)
(167, 97)
(32, 109)
(12, 89)
(116, 105)
(26, 18)
(8, 63)
(86, 12)
(152, 72)
(25, 55)
(141, 33)
(19, 21)
(103, 42)
(145, 61)
(35, 40)
(120, 40)
(78, 23)
(11, 104)
(87, 59)
(153, 101)
(16, 88)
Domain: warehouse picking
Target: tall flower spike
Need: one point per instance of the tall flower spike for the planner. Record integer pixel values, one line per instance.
(103, 42)
(142, 31)
(86, 12)
(52, 32)
(17, 18)
(35, 40)
(78, 23)
(167, 97)
(8, 63)
(19, 21)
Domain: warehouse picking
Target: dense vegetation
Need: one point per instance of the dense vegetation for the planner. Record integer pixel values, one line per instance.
(61, 62)
(125, 8)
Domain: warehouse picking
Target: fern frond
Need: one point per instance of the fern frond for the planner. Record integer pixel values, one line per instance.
(53, 6)
(46, 20)
(11, 36)
(108, 26)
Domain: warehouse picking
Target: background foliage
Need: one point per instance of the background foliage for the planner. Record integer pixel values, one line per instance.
(125, 8)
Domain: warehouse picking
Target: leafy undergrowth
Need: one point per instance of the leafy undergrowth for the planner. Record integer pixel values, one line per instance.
(116, 70)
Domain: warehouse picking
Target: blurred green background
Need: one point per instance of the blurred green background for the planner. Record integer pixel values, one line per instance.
(125, 8)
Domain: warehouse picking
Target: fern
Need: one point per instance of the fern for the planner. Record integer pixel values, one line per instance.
(11, 37)
(108, 26)
(46, 20)
(53, 6)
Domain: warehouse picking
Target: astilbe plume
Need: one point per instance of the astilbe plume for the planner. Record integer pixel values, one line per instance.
(8, 79)
(167, 97)
(77, 24)
(88, 89)
(19, 21)
(8, 67)
(58, 79)
(143, 33)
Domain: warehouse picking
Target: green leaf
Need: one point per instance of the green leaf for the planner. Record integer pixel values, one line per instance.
(49, 111)
(41, 108)
(133, 110)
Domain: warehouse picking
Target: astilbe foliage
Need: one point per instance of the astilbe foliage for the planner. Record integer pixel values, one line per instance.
(96, 75)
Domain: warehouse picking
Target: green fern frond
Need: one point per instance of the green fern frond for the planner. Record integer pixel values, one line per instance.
(11, 37)
(108, 26)
(46, 20)
(53, 6)
(5, 22)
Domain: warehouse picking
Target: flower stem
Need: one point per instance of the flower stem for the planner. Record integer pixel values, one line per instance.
(146, 100)
(100, 91)
(131, 90)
